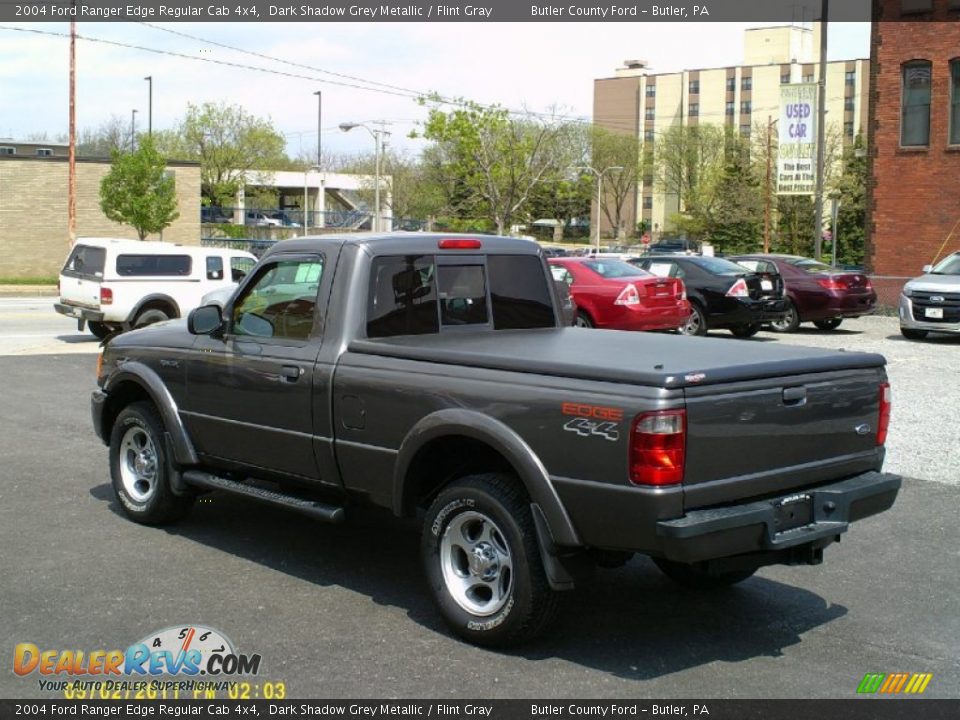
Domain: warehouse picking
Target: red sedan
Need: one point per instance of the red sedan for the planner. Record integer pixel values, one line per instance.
(617, 295)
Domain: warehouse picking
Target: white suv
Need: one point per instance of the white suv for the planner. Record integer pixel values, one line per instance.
(115, 284)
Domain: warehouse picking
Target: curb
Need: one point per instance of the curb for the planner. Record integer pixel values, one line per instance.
(28, 291)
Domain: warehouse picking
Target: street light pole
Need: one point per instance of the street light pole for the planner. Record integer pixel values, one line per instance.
(821, 133)
(319, 95)
(133, 130)
(377, 135)
(599, 174)
(149, 79)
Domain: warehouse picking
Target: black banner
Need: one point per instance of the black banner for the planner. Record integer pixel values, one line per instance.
(854, 709)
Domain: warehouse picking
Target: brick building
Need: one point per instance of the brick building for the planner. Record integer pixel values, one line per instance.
(914, 161)
(33, 209)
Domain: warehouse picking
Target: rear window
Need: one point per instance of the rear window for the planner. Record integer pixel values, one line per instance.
(615, 269)
(719, 266)
(153, 265)
(85, 261)
(760, 266)
(811, 266)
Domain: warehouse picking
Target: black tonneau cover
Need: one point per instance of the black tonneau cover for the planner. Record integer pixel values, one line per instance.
(651, 359)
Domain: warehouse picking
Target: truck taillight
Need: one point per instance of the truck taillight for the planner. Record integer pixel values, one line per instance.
(628, 296)
(658, 443)
(883, 422)
(739, 289)
(106, 296)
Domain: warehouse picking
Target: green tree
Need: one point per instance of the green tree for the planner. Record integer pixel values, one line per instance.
(409, 192)
(610, 149)
(138, 191)
(850, 189)
(688, 163)
(562, 199)
(491, 159)
(231, 145)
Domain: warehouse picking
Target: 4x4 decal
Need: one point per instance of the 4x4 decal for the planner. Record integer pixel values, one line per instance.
(592, 420)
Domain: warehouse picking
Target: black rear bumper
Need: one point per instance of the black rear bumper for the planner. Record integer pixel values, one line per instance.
(778, 526)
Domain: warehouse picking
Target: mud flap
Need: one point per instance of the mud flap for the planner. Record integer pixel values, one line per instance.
(563, 567)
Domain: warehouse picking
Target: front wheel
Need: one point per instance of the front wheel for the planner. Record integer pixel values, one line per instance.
(831, 324)
(789, 322)
(911, 334)
(696, 578)
(745, 331)
(482, 561)
(139, 466)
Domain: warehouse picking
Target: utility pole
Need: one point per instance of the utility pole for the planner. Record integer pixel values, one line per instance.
(133, 130)
(821, 134)
(319, 95)
(766, 194)
(149, 79)
(72, 160)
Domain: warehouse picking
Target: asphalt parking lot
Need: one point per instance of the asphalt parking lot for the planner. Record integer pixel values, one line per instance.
(342, 611)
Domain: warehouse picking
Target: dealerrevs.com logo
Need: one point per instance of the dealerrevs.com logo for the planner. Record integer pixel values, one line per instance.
(900, 683)
(187, 650)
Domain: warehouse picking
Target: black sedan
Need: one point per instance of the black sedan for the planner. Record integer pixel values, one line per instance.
(722, 294)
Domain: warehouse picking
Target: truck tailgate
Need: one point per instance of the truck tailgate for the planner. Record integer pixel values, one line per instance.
(750, 439)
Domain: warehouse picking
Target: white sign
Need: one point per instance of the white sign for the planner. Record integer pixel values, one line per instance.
(796, 158)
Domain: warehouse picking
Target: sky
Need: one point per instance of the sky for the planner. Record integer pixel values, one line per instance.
(535, 66)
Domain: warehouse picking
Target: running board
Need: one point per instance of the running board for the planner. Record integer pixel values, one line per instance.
(318, 510)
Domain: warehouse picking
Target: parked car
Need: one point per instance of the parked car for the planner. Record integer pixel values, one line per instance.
(673, 245)
(722, 294)
(215, 215)
(931, 302)
(284, 219)
(430, 376)
(112, 284)
(260, 219)
(815, 292)
(616, 295)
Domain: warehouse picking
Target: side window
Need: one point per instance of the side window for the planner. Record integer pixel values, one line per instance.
(153, 265)
(402, 297)
(281, 302)
(240, 267)
(463, 294)
(214, 268)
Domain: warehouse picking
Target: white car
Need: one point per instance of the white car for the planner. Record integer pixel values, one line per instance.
(260, 219)
(111, 284)
(931, 302)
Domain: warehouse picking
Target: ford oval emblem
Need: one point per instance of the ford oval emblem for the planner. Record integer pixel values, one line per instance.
(936, 298)
(863, 429)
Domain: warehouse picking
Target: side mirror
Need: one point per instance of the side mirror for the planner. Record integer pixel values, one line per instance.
(927, 268)
(204, 320)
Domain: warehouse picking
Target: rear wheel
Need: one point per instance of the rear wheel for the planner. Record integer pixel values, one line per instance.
(790, 321)
(482, 561)
(831, 324)
(99, 330)
(911, 334)
(150, 316)
(745, 331)
(697, 578)
(583, 320)
(697, 323)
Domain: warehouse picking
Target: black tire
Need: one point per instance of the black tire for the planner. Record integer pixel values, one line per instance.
(148, 501)
(150, 316)
(696, 578)
(745, 331)
(99, 330)
(831, 324)
(911, 334)
(520, 603)
(790, 322)
(697, 322)
(583, 320)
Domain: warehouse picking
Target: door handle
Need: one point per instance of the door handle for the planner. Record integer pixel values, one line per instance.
(795, 396)
(290, 373)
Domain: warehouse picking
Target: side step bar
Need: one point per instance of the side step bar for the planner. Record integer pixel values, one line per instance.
(318, 510)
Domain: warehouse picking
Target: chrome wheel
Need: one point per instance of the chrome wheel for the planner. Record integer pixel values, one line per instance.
(476, 564)
(695, 324)
(138, 464)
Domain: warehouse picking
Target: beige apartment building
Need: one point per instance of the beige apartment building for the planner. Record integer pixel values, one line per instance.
(741, 97)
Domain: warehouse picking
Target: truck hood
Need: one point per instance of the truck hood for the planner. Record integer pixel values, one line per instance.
(167, 334)
(652, 359)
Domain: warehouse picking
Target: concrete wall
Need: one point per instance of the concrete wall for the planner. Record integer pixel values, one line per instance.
(33, 212)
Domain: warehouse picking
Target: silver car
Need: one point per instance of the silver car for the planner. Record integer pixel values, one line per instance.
(931, 302)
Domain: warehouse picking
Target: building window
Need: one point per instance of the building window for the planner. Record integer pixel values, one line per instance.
(731, 84)
(647, 202)
(954, 5)
(651, 90)
(850, 77)
(848, 129)
(745, 107)
(746, 83)
(785, 78)
(7, 150)
(694, 109)
(955, 102)
(808, 78)
(745, 130)
(44, 152)
(649, 113)
(731, 108)
(908, 7)
(648, 135)
(694, 87)
(915, 104)
(848, 104)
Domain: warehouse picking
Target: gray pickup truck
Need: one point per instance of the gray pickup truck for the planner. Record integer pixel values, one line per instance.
(432, 375)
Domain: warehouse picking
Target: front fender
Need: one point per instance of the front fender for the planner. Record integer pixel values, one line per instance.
(500, 437)
(147, 378)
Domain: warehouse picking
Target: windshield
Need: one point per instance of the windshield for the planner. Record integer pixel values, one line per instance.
(719, 266)
(811, 266)
(948, 266)
(615, 269)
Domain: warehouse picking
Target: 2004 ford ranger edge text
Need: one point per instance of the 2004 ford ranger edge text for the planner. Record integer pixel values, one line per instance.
(432, 374)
